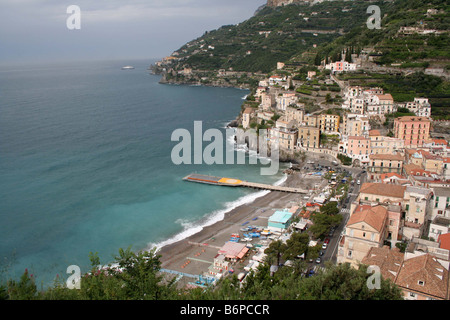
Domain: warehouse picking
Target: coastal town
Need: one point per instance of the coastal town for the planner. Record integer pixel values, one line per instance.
(376, 161)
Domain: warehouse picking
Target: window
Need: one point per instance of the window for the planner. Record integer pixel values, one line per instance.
(349, 254)
(420, 283)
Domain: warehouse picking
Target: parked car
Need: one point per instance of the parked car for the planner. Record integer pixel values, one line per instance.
(318, 260)
(327, 240)
(324, 246)
(358, 182)
(321, 253)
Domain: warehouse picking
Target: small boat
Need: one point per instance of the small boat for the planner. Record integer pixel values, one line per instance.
(128, 68)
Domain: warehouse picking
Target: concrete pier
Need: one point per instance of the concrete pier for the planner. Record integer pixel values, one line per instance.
(220, 181)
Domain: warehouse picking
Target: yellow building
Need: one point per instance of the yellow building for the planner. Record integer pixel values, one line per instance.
(309, 137)
(329, 123)
(365, 229)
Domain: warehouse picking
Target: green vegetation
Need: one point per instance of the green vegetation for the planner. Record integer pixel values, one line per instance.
(346, 161)
(272, 35)
(138, 279)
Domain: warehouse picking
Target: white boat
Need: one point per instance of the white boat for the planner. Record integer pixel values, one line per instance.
(128, 68)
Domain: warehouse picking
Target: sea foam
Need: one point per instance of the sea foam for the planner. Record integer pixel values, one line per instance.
(192, 228)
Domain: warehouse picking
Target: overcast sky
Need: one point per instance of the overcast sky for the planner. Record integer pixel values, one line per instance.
(36, 30)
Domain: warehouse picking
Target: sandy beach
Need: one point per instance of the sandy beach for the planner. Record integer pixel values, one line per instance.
(201, 248)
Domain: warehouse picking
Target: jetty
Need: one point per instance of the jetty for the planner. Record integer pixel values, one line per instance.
(230, 182)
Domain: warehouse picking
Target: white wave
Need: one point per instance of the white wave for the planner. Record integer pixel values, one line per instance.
(192, 228)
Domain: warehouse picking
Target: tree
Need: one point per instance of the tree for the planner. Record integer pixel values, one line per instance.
(274, 251)
(343, 282)
(138, 273)
(296, 245)
(323, 223)
(330, 208)
(25, 289)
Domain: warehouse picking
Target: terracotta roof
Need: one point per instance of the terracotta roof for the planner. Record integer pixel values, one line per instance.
(390, 175)
(389, 261)
(445, 241)
(424, 274)
(440, 141)
(386, 156)
(357, 138)
(374, 133)
(387, 96)
(411, 118)
(373, 216)
(383, 189)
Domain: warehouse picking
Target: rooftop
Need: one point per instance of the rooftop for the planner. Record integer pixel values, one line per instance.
(373, 216)
(383, 189)
(386, 156)
(444, 241)
(281, 216)
(411, 118)
(389, 261)
(424, 274)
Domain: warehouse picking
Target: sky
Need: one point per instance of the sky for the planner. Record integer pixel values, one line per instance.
(36, 30)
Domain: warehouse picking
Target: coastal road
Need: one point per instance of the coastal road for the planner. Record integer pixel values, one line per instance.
(330, 254)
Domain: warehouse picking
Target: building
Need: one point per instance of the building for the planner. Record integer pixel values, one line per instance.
(246, 117)
(381, 104)
(420, 107)
(439, 226)
(394, 178)
(388, 260)
(358, 148)
(355, 125)
(440, 203)
(267, 101)
(381, 193)
(384, 145)
(233, 251)
(280, 221)
(341, 66)
(329, 123)
(365, 229)
(294, 113)
(311, 120)
(308, 137)
(384, 163)
(220, 266)
(415, 131)
(423, 278)
(286, 137)
(420, 276)
(417, 206)
(285, 100)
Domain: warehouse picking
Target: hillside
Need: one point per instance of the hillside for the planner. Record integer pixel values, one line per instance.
(412, 44)
(272, 35)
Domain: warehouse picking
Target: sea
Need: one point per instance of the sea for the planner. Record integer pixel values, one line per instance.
(86, 167)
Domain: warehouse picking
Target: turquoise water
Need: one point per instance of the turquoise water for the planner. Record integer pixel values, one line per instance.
(85, 164)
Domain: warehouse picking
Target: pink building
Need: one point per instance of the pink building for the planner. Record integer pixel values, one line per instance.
(415, 131)
(359, 148)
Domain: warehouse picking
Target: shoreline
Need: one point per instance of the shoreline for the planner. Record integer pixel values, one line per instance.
(201, 248)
